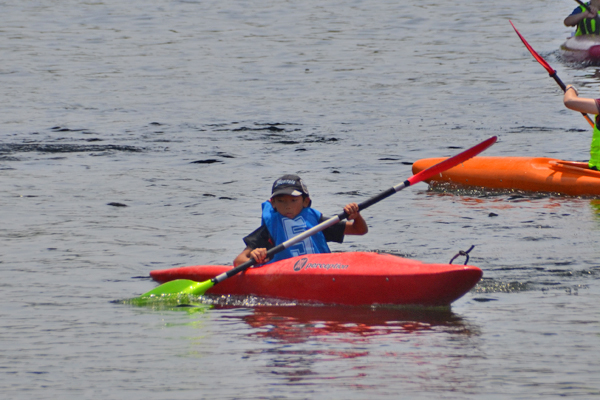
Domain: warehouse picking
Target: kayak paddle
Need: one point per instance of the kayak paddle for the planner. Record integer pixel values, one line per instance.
(188, 287)
(548, 68)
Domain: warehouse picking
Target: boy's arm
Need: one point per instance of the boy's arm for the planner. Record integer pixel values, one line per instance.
(574, 19)
(257, 244)
(576, 103)
(356, 225)
(260, 255)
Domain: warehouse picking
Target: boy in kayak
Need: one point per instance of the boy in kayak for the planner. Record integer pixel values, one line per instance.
(287, 214)
(588, 106)
(586, 19)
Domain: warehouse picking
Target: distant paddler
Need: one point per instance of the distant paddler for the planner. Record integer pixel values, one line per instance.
(585, 17)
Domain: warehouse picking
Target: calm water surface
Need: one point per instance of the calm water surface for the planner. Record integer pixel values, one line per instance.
(144, 135)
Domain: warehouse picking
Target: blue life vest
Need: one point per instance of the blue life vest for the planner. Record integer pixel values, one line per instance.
(282, 229)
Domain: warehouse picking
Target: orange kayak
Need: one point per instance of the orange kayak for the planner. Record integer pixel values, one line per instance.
(535, 174)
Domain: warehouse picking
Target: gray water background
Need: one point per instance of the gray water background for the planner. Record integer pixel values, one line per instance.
(186, 111)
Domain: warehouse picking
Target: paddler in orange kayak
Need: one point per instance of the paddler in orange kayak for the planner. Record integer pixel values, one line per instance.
(588, 106)
(288, 213)
(585, 18)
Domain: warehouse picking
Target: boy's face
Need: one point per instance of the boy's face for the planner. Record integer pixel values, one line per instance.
(289, 206)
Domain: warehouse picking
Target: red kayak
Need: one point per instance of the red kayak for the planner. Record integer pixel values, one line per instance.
(356, 278)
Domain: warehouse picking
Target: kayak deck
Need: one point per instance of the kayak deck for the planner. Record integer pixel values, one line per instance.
(535, 174)
(354, 278)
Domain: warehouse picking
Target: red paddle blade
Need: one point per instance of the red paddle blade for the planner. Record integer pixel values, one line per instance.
(452, 161)
(535, 55)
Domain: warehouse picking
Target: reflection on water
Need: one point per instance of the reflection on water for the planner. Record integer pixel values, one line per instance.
(595, 207)
(305, 345)
(305, 323)
(293, 323)
(181, 303)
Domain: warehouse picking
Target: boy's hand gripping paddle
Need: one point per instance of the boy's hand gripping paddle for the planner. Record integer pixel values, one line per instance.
(188, 287)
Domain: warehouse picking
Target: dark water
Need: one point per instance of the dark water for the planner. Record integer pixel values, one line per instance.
(144, 135)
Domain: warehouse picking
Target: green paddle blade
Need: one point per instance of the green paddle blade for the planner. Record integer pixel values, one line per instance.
(180, 286)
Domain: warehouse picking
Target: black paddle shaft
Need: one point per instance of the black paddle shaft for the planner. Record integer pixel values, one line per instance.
(559, 81)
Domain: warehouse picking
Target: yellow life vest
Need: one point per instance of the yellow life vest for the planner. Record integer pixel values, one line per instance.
(588, 26)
